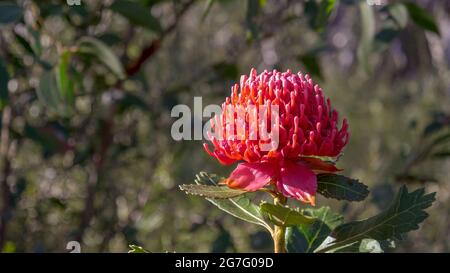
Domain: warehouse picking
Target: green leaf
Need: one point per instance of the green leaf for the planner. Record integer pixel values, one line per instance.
(326, 215)
(4, 79)
(103, 53)
(137, 249)
(311, 63)
(37, 46)
(386, 35)
(324, 12)
(48, 92)
(65, 84)
(137, 14)
(422, 18)
(441, 154)
(365, 246)
(307, 238)
(10, 13)
(404, 215)
(283, 216)
(440, 121)
(440, 139)
(341, 188)
(240, 207)
(399, 13)
(208, 5)
(219, 192)
(226, 70)
(253, 8)
(318, 13)
(25, 44)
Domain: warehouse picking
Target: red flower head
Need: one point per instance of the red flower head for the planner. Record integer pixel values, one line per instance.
(301, 126)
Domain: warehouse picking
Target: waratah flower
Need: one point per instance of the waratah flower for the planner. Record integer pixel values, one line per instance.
(306, 125)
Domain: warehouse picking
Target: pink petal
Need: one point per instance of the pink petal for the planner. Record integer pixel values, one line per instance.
(297, 181)
(251, 176)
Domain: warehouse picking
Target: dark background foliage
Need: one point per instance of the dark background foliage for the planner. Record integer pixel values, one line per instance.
(86, 93)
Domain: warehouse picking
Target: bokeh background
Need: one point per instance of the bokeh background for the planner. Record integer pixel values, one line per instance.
(86, 93)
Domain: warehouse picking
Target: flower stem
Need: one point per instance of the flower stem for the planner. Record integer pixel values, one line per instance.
(279, 231)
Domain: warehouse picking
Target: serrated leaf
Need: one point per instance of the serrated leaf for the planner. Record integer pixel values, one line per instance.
(4, 79)
(240, 207)
(10, 13)
(307, 238)
(137, 249)
(365, 246)
(103, 53)
(422, 18)
(326, 215)
(137, 14)
(217, 192)
(404, 215)
(340, 187)
(283, 216)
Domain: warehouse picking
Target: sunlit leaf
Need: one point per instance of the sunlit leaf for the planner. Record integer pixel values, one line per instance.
(283, 216)
(137, 249)
(308, 237)
(399, 13)
(103, 53)
(216, 192)
(365, 246)
(65, 83)
(240, 207)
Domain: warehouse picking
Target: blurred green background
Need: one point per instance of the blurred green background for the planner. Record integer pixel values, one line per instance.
(86, 93)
